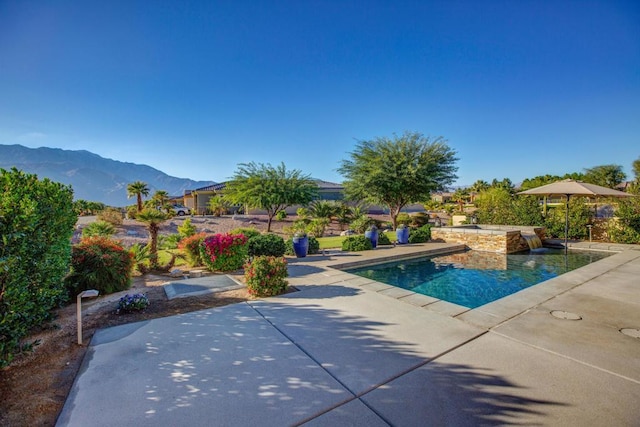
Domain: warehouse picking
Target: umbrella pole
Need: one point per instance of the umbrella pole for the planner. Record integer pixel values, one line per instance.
(566, 225)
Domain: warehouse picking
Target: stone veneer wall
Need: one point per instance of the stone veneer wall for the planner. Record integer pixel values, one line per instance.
(477, 260)
(490, 238)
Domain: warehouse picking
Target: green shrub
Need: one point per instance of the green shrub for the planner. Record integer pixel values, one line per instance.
(360, 224)
(131, 303)
(266, 276)
(288, 247)
(420, 235)
(99, 263)
(98, 228)
(298, 226)
(224, 252)
(383, 239)
(169, 241)
(627, 228)
(141, 256)
(36, 224)
(314, 245)
(266, 244)
(303, 213)
(111, 215)
(187, 229)
(281, 215)
(356, 244)
(403, 218)
(132, 212)
(317, 226)
(419, 219)
(191, 248)
(579, 217)
(248, 232)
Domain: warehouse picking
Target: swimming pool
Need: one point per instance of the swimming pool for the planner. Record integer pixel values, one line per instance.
(474, 278)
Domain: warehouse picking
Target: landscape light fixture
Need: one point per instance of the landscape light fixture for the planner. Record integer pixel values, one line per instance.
(90, 293)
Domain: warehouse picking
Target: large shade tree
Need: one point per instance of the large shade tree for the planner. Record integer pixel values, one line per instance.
(397, 171)
(138, 189)
(605, 175)
(270, 188)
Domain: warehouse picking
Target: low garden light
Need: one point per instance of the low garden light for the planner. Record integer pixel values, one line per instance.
(90, 293)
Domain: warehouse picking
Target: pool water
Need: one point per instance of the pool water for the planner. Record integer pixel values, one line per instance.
(473, 278)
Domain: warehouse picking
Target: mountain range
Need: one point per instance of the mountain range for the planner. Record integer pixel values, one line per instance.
(92, 177)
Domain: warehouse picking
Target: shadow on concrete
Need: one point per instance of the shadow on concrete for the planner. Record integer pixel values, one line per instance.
(303, 270)
(276, 364)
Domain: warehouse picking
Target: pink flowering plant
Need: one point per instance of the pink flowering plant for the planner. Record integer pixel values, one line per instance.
(265, 275)
(224, 252)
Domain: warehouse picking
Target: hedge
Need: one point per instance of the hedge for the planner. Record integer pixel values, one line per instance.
(36, 224)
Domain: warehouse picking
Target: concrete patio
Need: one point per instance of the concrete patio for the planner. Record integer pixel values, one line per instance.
(348, 351)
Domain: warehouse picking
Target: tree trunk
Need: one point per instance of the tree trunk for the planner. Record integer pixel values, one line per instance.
(270, 217)
(394, 212)
(139, 202)
(153, 249)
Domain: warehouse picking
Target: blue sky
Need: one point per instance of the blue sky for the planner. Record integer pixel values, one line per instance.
(518, 88)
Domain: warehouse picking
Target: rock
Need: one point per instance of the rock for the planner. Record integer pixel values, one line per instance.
(195, 273)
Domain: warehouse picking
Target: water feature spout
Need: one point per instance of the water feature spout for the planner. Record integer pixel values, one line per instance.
(532, 240)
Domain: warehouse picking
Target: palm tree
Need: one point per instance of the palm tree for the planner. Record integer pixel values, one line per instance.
(460, 196)
(138, 189)
(161, 198)
(323, 209)
(153, 218)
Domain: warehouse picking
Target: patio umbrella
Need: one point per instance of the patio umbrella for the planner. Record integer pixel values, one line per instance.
(571, 187)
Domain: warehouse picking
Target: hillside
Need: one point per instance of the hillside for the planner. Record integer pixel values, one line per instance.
(91, 176)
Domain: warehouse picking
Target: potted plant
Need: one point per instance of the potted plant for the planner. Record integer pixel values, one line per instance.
(402, 233)
(300, 244)
(372, 235)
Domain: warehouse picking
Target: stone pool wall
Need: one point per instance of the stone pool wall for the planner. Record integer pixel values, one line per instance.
(504, 239)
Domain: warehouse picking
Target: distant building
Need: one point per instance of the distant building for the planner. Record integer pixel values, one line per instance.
(441, 197)
(198, 200)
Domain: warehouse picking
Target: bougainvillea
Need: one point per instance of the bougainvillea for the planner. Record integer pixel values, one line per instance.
(191, 247)
(265, 276)
(224, 252)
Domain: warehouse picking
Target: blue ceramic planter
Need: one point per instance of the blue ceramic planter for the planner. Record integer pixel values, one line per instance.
(403, 235)
(300, 246)
(372, 235)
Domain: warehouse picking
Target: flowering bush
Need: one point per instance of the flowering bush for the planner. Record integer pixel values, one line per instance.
(130, 303)
(265, 276)
(224, 252)
(99, 263)
(191, 247)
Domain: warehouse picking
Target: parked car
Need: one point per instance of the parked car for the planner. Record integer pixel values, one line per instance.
(181, 210)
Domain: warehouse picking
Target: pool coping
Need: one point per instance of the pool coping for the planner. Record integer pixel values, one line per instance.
(494, 313)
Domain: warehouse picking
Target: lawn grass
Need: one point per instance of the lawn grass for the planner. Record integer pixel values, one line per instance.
(164, 256)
